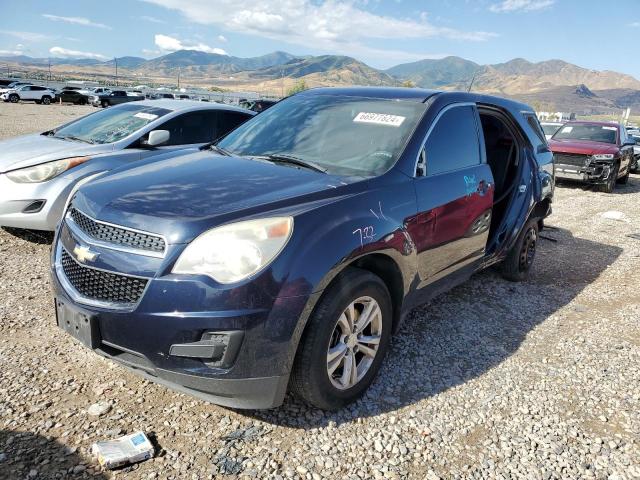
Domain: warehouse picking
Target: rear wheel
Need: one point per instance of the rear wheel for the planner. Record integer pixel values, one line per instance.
(14, 98)
(104, 104)
(517, 265)
(610, 185)
(345, 341)
(46, 100)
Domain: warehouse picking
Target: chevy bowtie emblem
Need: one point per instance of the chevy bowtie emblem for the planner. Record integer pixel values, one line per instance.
(83, 253)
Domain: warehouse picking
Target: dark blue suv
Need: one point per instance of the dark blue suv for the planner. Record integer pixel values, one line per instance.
(285, 255)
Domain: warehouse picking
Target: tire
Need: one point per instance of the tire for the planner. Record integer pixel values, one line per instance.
(517, 265)
(14, 98)
(635, 165)
(82, 101)
(610, 185)
(46, 100)
(104, 104)
(624, 179)
(311, 379)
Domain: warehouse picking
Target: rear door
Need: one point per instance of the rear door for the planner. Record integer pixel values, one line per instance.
(454, 195)
(27, 93)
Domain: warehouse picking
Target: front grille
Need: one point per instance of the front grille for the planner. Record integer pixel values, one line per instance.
(99, 285)
(117, 235)
(574, 159)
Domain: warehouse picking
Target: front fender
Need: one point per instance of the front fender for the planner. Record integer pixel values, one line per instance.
(372, 222)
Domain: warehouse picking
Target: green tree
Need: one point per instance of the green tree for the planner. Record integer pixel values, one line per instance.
(299, 86)
(409, 84)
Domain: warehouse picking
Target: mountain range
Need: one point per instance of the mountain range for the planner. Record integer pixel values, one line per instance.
(554, 83)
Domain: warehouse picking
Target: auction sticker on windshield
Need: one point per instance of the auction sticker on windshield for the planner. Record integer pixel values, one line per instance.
(379, 119)
(146, 116)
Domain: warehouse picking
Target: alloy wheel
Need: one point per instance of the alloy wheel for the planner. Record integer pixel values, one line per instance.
(353, 345)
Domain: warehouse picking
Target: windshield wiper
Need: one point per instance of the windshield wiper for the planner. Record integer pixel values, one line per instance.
(77, 139)
(284, 158)
(219, 150)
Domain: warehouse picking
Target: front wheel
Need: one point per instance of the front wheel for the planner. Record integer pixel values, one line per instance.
(14, 98)
(517, 265)
(82, 101)
(610, 185)
(46, 100)
(345, 341)
(104, 104)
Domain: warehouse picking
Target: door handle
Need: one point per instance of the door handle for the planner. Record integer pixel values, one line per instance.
(426, 217)
(483, 187)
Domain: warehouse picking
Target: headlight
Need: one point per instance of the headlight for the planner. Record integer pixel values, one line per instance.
(233, 252)
(44, 171)
(603, 156)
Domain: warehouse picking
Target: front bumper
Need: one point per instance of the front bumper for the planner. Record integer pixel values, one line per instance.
(184, 310)
(18, 202)
(594, 173)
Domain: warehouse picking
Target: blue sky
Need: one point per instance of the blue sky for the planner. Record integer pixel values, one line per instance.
(593, 34)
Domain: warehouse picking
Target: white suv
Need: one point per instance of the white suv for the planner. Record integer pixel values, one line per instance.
(29, 93)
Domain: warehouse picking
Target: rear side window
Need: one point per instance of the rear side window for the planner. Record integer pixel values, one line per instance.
(229, 121)
(201, 127)
(453, 143)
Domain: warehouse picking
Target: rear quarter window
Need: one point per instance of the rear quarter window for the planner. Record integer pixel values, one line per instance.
(534, 123)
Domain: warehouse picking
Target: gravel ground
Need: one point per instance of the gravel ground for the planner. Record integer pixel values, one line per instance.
(537, 380)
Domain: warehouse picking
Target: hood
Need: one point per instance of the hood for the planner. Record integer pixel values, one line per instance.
(180, 196)
(584, 147)
(33, 149)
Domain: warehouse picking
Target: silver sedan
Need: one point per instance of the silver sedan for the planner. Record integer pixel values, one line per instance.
(39, 172)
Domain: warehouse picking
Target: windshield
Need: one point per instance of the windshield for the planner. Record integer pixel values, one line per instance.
(343, 135)
(111, 124)
(550, 129)
(588, 131)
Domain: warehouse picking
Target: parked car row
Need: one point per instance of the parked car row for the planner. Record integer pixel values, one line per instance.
(285, 252)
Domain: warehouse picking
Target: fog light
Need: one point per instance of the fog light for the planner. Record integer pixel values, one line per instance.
(34, 207)
(215, 349)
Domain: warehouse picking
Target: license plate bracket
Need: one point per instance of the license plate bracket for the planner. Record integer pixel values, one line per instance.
(80, 325)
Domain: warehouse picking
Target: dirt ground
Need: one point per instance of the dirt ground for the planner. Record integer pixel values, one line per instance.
(491, 380)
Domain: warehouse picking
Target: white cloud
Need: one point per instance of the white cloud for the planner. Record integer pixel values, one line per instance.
(76, 21)
(321, 24)
(27, 36)
(520, 5)
(222, 38)
(172, 44)
(151, 19)
(11, 53)
(635, 24)
(66, 53)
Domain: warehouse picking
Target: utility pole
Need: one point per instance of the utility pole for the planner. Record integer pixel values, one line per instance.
(179, 78)
(49, 72)
(116, 62)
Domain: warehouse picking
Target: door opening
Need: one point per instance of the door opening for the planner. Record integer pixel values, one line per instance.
(503, 152)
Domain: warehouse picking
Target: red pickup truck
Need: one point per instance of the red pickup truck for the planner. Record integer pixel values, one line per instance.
(599, 153)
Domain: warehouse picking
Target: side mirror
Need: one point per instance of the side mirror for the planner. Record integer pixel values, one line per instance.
(156, 138)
